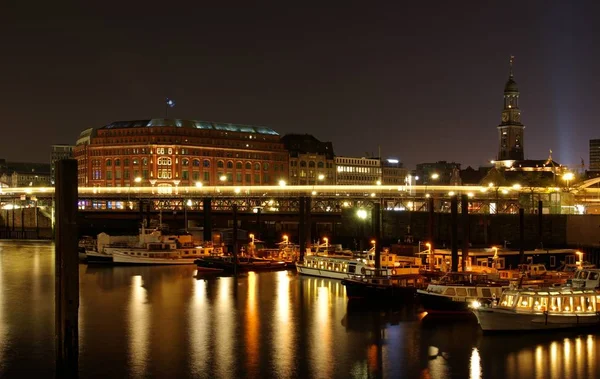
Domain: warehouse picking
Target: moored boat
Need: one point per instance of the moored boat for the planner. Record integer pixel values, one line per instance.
(244, 264)
(455, 292)
(528, 309)
(382, 286)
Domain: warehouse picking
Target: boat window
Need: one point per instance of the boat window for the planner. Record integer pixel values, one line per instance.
(583, 275)
(594, 276)
(461, 291)
(590, 303)
(540, 303)
(450, 292)
(525, 302)
(473, 292)
(352, 269)
(507, 300)
(486, 292)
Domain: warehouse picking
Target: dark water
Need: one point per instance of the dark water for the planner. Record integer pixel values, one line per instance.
(162, 322)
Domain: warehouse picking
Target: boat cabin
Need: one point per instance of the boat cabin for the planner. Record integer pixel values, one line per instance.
(559, 301)
(586, 278)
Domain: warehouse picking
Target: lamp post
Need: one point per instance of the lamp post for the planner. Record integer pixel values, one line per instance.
(431, 257)
(138, 180)
(567, 177)
(362, 216)
(495, 257)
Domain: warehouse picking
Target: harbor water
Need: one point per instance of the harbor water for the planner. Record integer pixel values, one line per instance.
(168, 322)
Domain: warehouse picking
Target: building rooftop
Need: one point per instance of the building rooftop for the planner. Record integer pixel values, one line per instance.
(194, 124)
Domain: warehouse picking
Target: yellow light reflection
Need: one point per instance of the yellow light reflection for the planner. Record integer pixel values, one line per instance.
(475, 364)
(567, 359)
(321, 335)
(139, 328)
(554, 362)
(283, 349)
(225, 327)
(252, 323)
(3, 331)
(199, 329)
(591, 356)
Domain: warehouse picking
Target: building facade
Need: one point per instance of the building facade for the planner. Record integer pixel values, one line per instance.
(24, 174)
(437, 173)
(595, 155)
(175, 152)
(311, 162)
(393, 172)
(357, 171)
(59, 152)
(510, 130)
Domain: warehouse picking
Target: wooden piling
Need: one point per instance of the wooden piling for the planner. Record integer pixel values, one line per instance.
(302, 227)
(377, 226)
(521, 235)
(430, 211)
(234, 209)
(307, 214)
(464, 209)
(66, 299)
(206, 210)
(454, 232)
(541, 224)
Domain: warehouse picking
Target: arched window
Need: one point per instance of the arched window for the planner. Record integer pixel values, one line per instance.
(238, 165)
(257, 166)
(302, 163)
(117, 162)
(145, 161)
(185, 162)
(229, 164)
(164, 161)
(108, 162)
(196, 162)
(220, 164)
(266, 166)
(248, 166)
(206, 163)
(320, 165)
(136, 161)
(311, 164)
(126, 162)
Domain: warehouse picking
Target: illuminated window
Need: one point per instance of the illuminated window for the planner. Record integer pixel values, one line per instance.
(164, 161)
(185, 162)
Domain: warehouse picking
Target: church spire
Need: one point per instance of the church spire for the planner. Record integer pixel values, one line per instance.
(512, 59)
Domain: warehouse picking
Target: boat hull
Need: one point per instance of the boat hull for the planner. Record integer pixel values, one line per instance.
(436, 303)
(256, 266)
(315, 271)
(120, 258)
(95, 257)
(492, 320)
(357, 289)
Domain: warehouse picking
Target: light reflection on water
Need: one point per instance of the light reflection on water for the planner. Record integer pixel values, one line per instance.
(167, 322)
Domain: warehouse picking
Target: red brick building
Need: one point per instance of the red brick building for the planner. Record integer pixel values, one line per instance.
(174, 152)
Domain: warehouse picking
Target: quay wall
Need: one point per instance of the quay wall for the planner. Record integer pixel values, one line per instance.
(21, 224)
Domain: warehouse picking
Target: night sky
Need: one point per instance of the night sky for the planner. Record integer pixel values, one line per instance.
(423, 81)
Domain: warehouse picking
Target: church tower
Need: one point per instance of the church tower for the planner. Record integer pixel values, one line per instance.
(510, 130)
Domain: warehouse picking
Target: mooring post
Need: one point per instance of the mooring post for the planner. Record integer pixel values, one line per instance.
(377, 226)
(234, 209)
(302, 227)
(464, 209)
(308, 228)
(454, 232)
(521, 235)
(206, 210)
(66, 298)
(430, 211)
(541, 223)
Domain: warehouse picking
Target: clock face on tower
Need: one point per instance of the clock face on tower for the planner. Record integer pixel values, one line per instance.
(504, 116)
(517, 117)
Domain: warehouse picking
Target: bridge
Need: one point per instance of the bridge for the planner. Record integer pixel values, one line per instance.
(580, 198)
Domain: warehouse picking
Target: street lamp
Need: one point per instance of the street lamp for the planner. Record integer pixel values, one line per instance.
(435, 176)
(282, 183)
(326, 241)
(431, 257)
(285, 239)
(361, 213)
(198, 184)
(568, 176)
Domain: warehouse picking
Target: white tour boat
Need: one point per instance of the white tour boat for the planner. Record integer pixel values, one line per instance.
(162, 253)
(541, 309)
(339, 264)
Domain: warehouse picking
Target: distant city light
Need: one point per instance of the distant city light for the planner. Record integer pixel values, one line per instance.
(391, 160)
